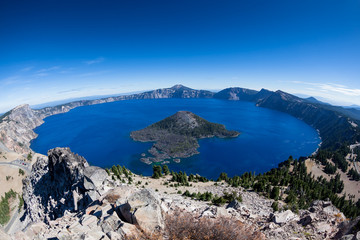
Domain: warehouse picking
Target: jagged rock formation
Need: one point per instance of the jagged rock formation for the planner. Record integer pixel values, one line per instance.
(176, 136)
(63, 182)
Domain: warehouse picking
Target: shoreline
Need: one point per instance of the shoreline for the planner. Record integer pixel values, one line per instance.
(164, 93)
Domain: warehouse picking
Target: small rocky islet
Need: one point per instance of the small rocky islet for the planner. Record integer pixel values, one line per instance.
(177, 136)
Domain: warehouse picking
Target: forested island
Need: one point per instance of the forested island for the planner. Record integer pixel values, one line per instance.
(176, 136)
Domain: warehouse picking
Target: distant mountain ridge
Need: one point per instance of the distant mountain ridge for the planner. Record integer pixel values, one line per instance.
(177, 91)
(336, 125)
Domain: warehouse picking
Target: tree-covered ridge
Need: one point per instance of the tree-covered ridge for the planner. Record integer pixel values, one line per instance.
(291, 183)
(176, 136)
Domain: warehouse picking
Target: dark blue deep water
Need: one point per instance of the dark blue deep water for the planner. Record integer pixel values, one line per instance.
(100, 133)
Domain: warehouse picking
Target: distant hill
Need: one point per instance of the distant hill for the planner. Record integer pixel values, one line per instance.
(353, 106)
(314, 100)
(177, 91)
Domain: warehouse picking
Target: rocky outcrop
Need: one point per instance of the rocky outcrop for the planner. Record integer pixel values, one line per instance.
(321, 221)
(16, 128)
(284, 217)
(236, 93)
(62, 182)
(143, 209)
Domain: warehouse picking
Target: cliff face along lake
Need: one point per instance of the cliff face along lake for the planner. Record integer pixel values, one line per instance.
(101, 132)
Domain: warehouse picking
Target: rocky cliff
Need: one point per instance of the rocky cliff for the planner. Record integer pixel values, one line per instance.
(335, 126)
(63, 182)
(177, 91)
(236, 94)
(16, 128)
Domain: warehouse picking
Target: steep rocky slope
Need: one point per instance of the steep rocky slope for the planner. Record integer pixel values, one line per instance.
(335, 124)
(236, 94)
(16, 128)
(335, 128)
(122, 210)
(62, 182)
(242, 94)
(177, 91)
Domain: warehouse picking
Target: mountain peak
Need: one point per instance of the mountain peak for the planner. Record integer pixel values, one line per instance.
(179, 86)
(185, 118)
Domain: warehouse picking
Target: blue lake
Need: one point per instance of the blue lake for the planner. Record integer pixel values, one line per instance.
(101, 132)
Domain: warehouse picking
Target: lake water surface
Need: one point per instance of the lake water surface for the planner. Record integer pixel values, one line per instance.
(101, 132)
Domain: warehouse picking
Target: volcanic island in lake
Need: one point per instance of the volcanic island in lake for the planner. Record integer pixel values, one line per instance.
(176, 136)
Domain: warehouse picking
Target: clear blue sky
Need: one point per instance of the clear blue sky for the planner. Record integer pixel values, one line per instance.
(52, 50)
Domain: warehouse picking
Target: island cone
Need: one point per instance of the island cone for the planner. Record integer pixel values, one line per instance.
(176, 136)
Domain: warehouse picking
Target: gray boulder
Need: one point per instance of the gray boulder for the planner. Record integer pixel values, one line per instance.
(234, 204)
(111, 223)
(348, 237)
(284, 217)
(306, 220)
(94, 178)
(143, 208)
